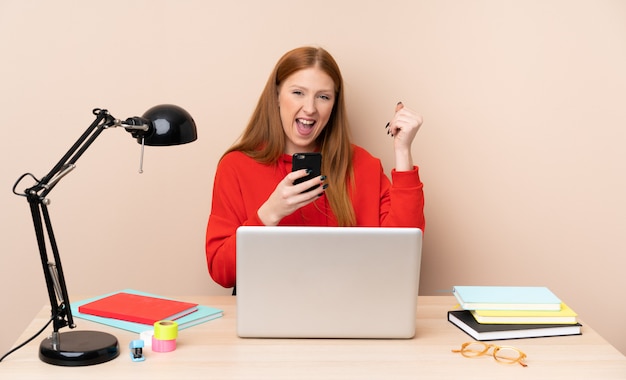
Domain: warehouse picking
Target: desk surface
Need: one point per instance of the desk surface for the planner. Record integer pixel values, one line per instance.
(213, 350)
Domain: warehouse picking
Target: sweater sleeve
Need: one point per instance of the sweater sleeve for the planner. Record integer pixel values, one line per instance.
(402, 201)
(227, 214)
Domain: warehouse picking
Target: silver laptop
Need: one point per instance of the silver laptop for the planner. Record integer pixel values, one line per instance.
(327, 282)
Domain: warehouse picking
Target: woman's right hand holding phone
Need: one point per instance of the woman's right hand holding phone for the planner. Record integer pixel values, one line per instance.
(288, 197)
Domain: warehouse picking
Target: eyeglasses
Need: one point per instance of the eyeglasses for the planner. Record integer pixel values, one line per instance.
(502, 354)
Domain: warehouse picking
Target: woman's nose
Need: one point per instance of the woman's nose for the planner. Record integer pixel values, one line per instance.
(309, 105)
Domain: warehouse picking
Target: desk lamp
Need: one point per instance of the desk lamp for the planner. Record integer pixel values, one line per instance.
(160, 126)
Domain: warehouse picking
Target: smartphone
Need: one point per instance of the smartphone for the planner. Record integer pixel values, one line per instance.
(311, 161)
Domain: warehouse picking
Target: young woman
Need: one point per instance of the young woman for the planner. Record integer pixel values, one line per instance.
(302, 109)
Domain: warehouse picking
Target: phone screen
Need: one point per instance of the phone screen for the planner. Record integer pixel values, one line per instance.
(311, 161)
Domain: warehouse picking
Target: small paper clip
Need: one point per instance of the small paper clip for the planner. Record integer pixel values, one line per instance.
(136, 350)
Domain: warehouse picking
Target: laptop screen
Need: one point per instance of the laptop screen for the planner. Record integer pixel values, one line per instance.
(327, 282)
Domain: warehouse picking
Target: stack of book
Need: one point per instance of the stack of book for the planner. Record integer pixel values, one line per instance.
(137, 311)
(512, 312)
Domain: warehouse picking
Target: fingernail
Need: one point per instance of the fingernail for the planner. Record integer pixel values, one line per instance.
(325, 186)
(323, 178)
(399, 103)
(387, 126)
(308, 171)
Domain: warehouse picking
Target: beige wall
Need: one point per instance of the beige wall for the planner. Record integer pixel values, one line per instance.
(523, 150)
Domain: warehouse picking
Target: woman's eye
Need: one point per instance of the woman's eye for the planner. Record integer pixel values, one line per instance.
(325, 97)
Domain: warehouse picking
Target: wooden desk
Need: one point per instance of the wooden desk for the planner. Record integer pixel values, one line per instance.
(213, 351)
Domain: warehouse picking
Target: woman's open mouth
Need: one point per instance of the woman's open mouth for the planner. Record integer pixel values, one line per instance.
(305, 126)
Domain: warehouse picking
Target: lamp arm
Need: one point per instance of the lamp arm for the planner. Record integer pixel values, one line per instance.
(52, 270)
(36, 196)
(46, 184)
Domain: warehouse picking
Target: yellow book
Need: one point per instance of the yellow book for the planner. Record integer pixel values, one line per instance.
(564, 316)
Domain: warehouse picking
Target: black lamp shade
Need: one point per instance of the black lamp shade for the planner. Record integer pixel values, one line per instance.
(169, 125)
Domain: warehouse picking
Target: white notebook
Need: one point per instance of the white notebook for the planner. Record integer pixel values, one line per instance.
(327, 282)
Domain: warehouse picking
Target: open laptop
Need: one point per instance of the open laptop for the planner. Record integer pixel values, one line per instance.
(327, 282)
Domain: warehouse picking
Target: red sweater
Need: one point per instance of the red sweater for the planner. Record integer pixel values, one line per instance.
(242, 185)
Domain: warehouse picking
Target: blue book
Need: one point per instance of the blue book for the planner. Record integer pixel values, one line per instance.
(203, 314)
(506, 298)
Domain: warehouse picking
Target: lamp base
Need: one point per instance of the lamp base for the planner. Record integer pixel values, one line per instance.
(79, 348)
